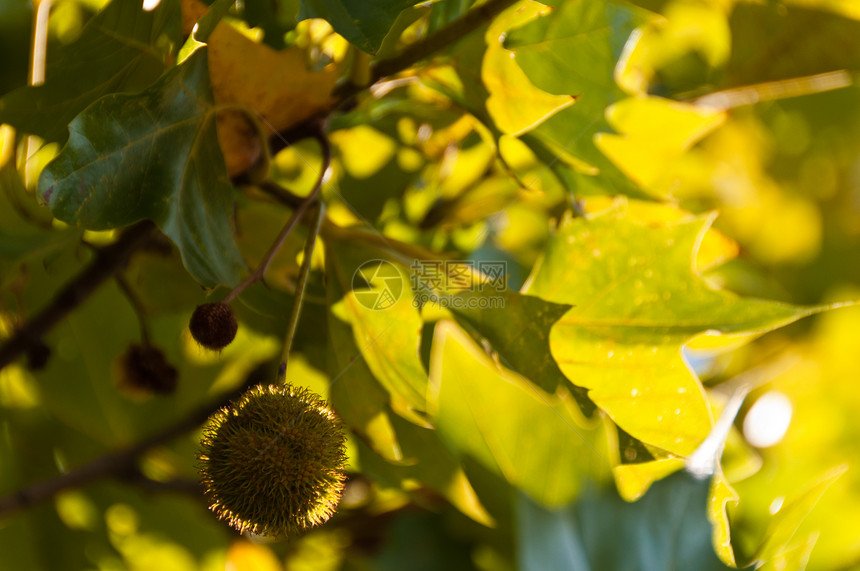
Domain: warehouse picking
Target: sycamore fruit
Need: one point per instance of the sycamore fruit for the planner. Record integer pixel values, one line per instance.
(213, 325)
(143, 370)
(272, 462)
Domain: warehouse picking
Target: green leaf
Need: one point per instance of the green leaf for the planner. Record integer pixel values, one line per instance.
(206, 25)
(16, 17)
(517, 326)
(667, 529)
(274, 18)
(25, 232)
(795, 557)
(386, 325)
(123, 48)
(636, 302)
(152, 155)
(353, 391)
(572, 51)
(363, 24)
(533, 440)
(430, 463)
(786, 521)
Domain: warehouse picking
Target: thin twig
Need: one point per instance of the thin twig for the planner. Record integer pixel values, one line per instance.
(121, 462)
(106, 263)
(404, 251)
(137, 305)
(259, 273)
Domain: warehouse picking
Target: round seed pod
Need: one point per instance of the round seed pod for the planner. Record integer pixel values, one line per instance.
(143, 370)
(213, 325)
(272, 462)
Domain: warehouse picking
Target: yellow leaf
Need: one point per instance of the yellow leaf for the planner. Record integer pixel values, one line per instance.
(275, 85)
(721, 495)
(514, 103)
(654, 133)
(633, 480)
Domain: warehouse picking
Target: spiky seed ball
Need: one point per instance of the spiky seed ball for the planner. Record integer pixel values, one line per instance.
(143, 370)
(213, 325)
(272, 462)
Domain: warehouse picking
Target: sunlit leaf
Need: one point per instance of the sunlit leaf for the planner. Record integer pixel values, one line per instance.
(275, 87)
(354, 392)
(633, 480)
(497, 418)
(654, 132)
(636, 301)
(152, 155)
(787, 520)
(429, 462)
(572, 51)
(517, 328)
(514, 103)
(378, 305)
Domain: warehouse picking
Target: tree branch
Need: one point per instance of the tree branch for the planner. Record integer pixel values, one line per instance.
(106, 263)
(411, 55)
(456, 30)
(122, 462)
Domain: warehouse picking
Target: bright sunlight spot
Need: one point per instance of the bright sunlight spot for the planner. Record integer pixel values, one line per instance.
(767, 421)
(150, 5)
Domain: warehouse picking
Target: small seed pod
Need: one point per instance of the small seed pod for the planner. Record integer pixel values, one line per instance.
(272, 462)
(213, 325)
(37, 356)
(143, 370)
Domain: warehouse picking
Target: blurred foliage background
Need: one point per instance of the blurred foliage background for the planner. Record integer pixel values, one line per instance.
(749, 109)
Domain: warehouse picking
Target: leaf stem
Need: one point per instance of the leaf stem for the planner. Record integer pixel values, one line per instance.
(292, 326)
(137, 305)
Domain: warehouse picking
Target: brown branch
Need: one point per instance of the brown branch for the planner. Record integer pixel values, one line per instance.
(456, 30)
(106, 263)
(411, 55)
(122, 462)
